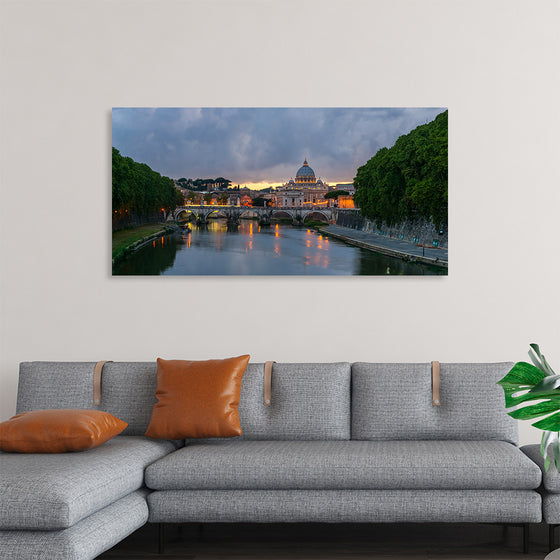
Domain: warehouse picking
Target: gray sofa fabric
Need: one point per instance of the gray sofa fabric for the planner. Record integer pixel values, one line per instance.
(551, 508)
(339, 506)
(394, 401)
(128, 390)
(351, 465)
(550, 479)
(550, 484)
(46, 491)
(309, 402)
(55, 385)
(84, 540)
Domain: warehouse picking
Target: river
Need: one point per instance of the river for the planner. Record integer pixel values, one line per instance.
(254, 250)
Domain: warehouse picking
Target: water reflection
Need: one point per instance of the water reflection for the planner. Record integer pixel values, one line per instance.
(220, 248)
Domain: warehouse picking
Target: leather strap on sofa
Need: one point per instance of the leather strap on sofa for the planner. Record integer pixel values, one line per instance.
(97, 370)
(268, 383)
(435, 383)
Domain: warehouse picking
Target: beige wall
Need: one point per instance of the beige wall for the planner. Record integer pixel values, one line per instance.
(65, 64)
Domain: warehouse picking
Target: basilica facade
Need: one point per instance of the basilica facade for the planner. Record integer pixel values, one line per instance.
(303, 191)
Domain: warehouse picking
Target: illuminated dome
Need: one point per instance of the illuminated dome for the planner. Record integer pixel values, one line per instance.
(305, 174)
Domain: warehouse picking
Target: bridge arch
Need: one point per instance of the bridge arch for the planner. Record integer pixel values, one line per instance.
(218, 213)
(314, 214)
(282, 213)
(184, 214)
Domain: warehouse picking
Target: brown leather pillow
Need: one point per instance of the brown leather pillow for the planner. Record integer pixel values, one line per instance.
(197, 399)
(58, 431)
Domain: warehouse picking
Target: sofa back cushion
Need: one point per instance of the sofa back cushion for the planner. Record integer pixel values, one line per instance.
(45, 385)
(309, 401)
(394, 402)
(127, 389)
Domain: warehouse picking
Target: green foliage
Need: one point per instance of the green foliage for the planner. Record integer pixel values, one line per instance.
(409, 179)
(179, 198)
(139, 190)
(526, 383)
(206, 184)
(335, 194)
(222, 183)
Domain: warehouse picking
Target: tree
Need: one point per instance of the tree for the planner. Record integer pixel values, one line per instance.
(138, 189)
(409, 179)
(208, 198)
(179, 198)
(222, 183)
(336, 194)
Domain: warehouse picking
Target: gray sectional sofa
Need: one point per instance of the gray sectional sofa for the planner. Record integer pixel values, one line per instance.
(340, 442)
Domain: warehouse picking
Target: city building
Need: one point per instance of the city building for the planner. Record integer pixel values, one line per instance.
(344, 200)
(346, 187)
(234, 199)
(304, 190)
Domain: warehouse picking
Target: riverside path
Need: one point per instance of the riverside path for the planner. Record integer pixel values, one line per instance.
(388, 245)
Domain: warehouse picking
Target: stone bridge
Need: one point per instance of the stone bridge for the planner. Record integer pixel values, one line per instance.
(235, 213)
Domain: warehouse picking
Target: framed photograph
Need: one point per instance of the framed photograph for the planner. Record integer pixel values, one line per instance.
(279, 191)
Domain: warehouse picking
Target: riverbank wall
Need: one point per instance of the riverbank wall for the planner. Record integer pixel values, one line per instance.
(398, 248)
(419, 231)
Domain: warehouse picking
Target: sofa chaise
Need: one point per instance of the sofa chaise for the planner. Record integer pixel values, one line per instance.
(339, 442)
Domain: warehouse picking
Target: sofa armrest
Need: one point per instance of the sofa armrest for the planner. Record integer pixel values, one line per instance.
(551, 479)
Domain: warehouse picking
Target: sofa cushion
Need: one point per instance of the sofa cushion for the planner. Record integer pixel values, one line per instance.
(550, 478)
(394, 401)
(58, 430)
(85, 540)
(551, 508)
(54, 491)
(44, 385)
(344, 465)
(309, 402)
(197, 399)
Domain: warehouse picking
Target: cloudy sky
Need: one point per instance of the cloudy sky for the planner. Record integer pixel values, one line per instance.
(262, 145)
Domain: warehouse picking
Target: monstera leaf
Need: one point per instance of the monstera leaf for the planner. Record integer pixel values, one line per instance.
(526, 383)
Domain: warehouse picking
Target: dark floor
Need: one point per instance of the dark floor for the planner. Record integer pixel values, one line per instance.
(341, 542)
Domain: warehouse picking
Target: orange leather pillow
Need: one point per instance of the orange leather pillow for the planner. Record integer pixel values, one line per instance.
(58, 431)
(197, 399)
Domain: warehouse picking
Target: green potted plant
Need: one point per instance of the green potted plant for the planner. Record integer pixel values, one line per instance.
(526, 383)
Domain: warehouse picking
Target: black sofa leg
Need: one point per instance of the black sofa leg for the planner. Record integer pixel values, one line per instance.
(161, 538)
(551, 544)
(525, 538)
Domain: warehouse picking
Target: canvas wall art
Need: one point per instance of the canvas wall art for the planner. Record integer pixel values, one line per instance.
(279, 191)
